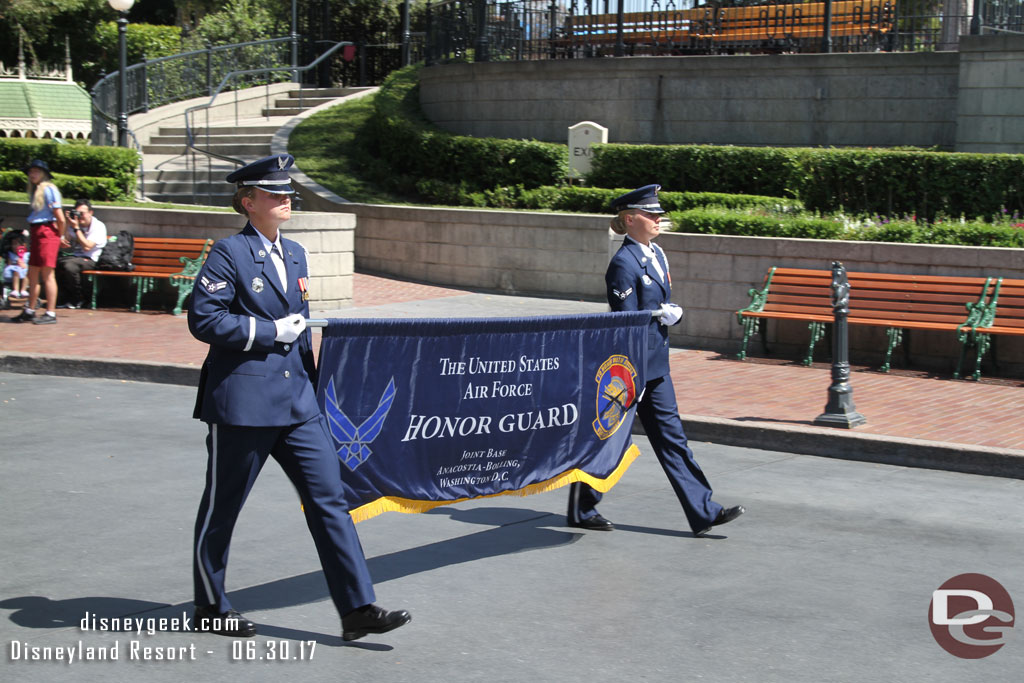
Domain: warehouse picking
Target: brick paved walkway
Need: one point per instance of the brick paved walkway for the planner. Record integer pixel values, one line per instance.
(910, 405)
(934, 409)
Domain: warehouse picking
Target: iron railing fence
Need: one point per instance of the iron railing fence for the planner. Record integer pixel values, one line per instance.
(1002, 16)
(154, 83)
(492, 30)
(229, 83)
(371, 63)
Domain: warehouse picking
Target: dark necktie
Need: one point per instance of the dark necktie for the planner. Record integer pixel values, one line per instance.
(279, 266)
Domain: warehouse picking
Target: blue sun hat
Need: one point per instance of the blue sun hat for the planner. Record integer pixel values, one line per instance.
(41, 165)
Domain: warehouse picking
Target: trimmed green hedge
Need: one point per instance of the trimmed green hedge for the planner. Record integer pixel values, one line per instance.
(578, 199)
(695, 168)
(88, 163)
(719, 221)
(866, 181)
(436, 165)
(598, 200)
(71, 187)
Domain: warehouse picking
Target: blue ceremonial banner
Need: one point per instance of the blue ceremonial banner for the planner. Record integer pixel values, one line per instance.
(430, 412)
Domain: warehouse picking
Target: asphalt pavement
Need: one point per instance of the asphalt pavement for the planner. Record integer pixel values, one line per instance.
(915, 418)
(828, 576)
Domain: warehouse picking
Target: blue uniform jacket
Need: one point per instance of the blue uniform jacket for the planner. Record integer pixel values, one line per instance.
(248, 379)
(634, 285)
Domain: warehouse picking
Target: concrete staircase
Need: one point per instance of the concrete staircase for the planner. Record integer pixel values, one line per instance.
(297, 102)
(171, 175)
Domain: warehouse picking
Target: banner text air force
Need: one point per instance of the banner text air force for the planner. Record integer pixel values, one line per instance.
(429, 412)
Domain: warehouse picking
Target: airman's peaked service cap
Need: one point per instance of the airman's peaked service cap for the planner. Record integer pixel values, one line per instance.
(269, 174)
(644, 198)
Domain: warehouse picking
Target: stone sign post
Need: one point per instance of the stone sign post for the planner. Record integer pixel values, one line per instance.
(581, 137)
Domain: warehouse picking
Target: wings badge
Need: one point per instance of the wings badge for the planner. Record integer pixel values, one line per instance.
(352, 440)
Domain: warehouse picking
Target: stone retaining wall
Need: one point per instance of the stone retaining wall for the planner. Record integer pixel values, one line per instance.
(328, 237)
(564, 255)
(968, 100)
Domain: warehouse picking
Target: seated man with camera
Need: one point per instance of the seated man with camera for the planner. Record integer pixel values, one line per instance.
(88, 235)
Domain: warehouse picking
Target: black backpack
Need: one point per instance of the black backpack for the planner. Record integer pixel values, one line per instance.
(117, 254)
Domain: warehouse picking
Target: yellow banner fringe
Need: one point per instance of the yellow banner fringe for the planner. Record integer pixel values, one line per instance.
(407, 505)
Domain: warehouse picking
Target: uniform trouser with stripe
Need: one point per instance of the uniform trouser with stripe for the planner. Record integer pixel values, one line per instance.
(236, 455)
(659, 415)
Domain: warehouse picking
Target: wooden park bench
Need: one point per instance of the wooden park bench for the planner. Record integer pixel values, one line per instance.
(174, 259)
(893, 301)
(1003, 314)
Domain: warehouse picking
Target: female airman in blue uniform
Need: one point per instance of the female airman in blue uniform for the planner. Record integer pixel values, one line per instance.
(638, 279)
(256, 393)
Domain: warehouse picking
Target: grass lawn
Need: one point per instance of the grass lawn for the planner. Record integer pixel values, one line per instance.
(324, 146)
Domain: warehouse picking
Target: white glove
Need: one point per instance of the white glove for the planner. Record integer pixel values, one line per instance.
(670, 314)
(289, 328)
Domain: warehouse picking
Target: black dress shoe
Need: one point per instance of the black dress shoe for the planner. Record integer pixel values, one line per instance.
(371, 619)
(725, 515)
(595, 523)
(231, 623)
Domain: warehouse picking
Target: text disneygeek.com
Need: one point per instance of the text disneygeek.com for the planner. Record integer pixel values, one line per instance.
(139, 650)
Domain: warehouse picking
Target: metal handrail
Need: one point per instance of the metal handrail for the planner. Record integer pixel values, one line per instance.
(996, 29)
(136, 145)
(189, 113)
(147, 63)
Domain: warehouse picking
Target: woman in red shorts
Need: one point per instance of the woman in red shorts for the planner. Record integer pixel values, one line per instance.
(47, 222)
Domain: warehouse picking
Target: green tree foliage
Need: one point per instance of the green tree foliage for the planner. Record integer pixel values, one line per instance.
(42, 26)
(154, 30)
(238, 21)
(369, 21)
(141, 40)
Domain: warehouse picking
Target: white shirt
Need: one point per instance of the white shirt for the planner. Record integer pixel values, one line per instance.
(651, 252)
(276, 257)
(96, 232)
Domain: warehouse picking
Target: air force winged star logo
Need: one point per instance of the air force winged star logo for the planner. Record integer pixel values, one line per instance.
(352, 440)
(212, 287)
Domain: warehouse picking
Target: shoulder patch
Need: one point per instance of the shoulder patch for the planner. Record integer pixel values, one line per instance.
(622, 295)
(211, 286)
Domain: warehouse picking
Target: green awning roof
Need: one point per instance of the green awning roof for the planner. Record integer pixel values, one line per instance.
(50, 100)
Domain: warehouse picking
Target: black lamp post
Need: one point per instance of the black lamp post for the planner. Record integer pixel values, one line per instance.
(295, 43)
(122, 6)
(839, 409)
(405, 33)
